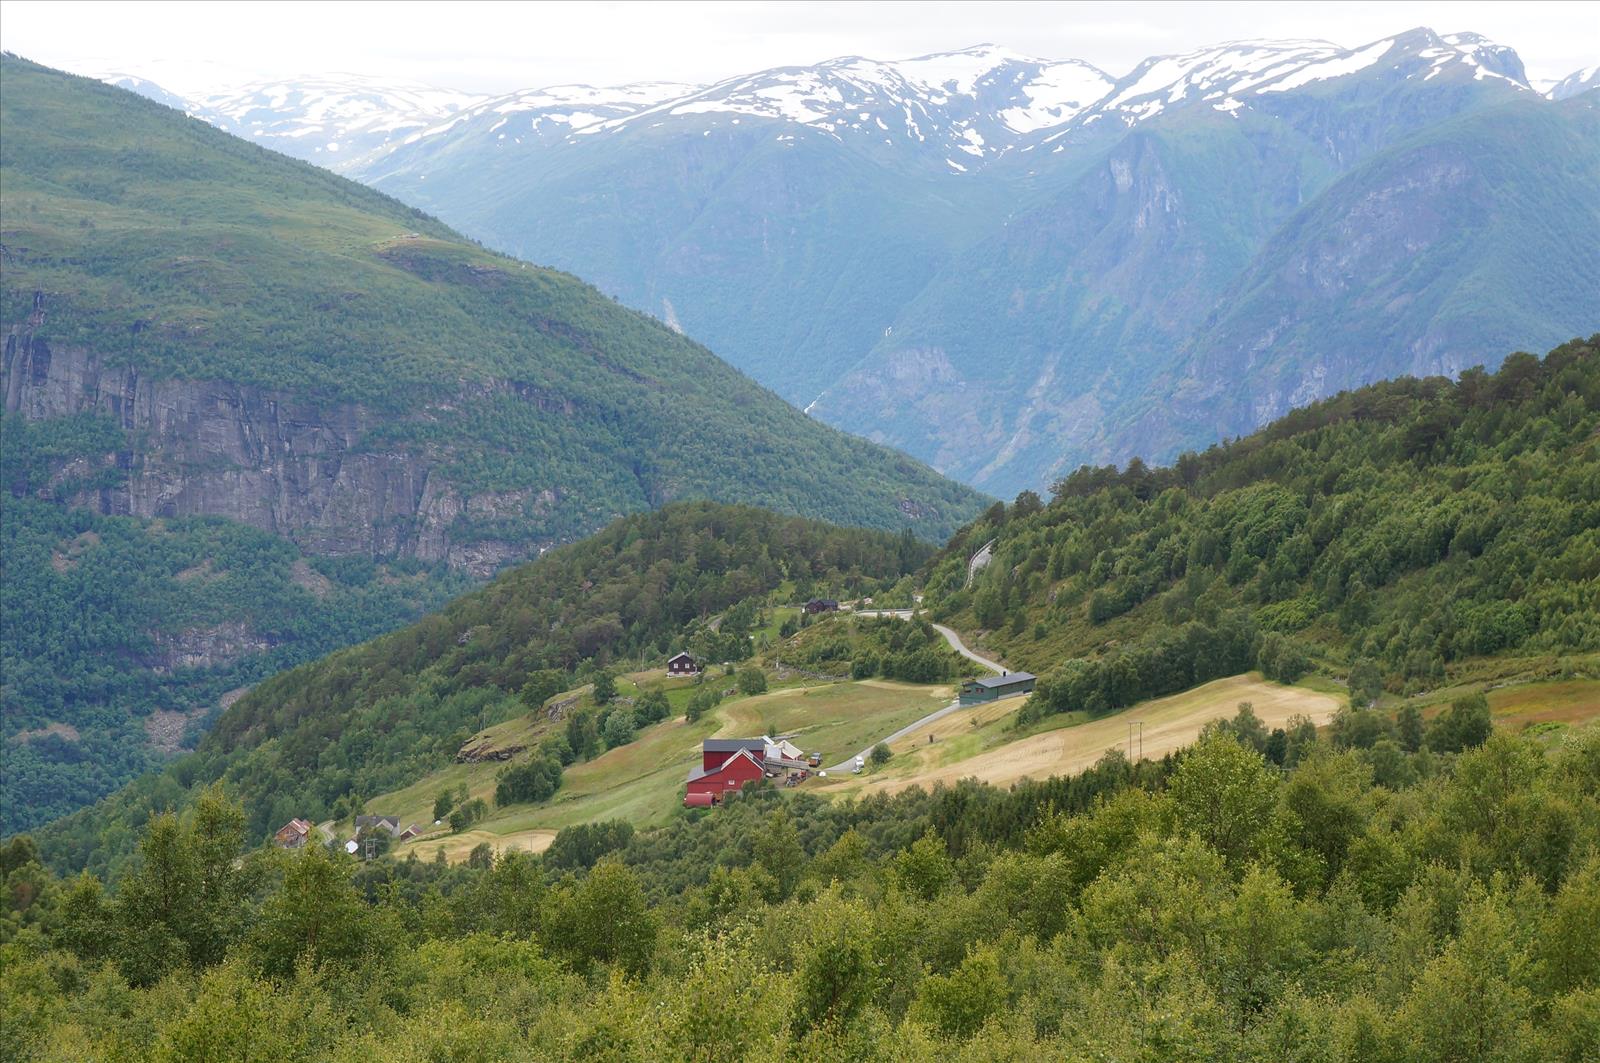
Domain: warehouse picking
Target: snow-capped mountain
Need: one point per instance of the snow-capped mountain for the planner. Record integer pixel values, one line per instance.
(1578, 81)
(971, 106)
(339, 121)
(1231, 77)
(535, 117)
(148, 89)
(1116, 265)
(962, 106)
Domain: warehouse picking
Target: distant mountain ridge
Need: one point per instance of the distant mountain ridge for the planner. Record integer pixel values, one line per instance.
(1007, 266)
(1006, 96)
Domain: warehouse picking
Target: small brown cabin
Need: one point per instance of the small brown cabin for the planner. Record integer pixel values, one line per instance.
(292, 835)
(683, 664)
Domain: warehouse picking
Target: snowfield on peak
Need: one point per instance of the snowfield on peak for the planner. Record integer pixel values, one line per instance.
(1060, 92)
(1336, 67)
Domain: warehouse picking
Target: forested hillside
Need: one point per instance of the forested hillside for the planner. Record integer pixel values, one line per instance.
(1436, 530)
(1354, 905)
(319, 739)
(123, 637)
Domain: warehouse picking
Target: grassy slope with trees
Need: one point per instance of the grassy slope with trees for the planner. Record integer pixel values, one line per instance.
(318, 740)
(1415, 533)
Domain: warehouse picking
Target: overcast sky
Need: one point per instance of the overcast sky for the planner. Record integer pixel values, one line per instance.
(192, 48)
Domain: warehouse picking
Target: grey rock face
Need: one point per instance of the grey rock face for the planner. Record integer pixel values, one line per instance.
(276, 461)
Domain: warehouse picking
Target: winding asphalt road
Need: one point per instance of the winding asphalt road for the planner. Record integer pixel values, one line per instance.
(956, 644)
(949, 636)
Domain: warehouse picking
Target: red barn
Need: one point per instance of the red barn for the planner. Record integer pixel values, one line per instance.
(715, 751)
(733, 772)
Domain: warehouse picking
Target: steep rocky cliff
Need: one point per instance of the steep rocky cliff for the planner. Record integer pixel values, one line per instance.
(273, 460)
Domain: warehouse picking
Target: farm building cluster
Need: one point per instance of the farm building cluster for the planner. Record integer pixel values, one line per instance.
(726, 764)
(297, 832)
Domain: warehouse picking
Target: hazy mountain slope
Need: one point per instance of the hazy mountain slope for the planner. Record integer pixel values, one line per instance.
(1579, 81)
(785, 216)
(1475, 237)
(298, 352)
(1051, 342)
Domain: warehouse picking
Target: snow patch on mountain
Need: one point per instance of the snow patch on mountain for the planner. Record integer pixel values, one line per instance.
(1574, 83)
(1058, 93)
(1208, 73)
(1338, 67)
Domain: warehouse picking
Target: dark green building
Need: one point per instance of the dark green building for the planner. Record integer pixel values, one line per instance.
(995, 687)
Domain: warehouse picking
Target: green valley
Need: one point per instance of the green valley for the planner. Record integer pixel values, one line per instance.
(254, 412)
(322, 739)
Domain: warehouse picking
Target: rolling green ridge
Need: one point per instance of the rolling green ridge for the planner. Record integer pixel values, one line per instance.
(321, 738)
(1439, 530)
